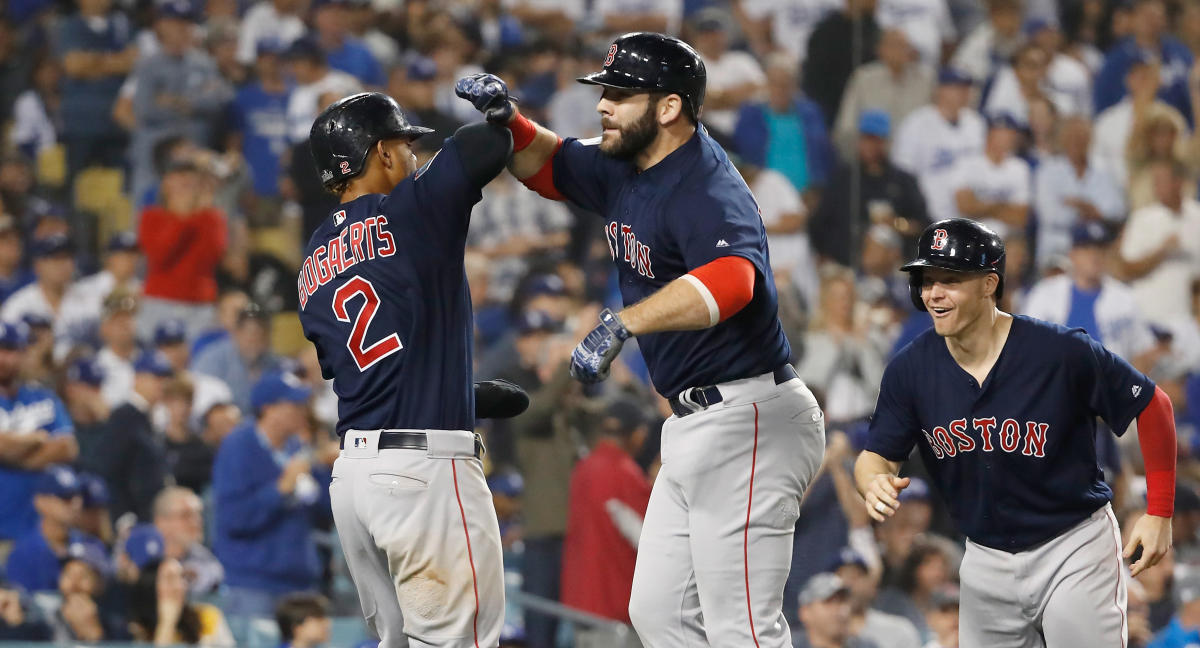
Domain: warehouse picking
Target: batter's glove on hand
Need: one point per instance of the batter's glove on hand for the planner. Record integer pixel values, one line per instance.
(489, 94)
(499, 399)
(591, 359)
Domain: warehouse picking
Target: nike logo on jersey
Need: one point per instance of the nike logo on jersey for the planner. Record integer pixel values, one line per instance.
(1137, 390)
(986, 436)
(722, 243)
(362, 241)
(637, 254)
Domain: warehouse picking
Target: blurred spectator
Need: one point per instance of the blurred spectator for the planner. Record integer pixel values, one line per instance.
(925, 571)
(365, 25)
(866, 623)
(942, 617)
(1070, 189)
(785, 24)
(15, 622)
(37, 116)
(118, 337)
(37, 557)
(78, 615)
(785, 133)
(303, 620)
(242, 359)
(932, 139)
(1140, 634)
(97, 51)
(188, 458)
(13, 275)
(218, 422)
(268, 496)
(507, 488)
(842, 42)
(619, 16)
(1160, 251)
(1114, 125)
(179, 518)
(881, 286)
(311, 71)
(895, 84)
(14, 64)
(160, 613)
(843, 357)
(927, 24)
(179, 91)
(84, 300)
(1017, 86)
(331, 29)
(607, 503)
(259, 128)
(1184, 628)
(39, 362)
(95, 519)
(994, 41)
(1068, 80)
(785, 217)
(733, 77)
(170, 338)
(230, 303)
(271, 24)
(1158, 135)
(130, 458)
(868, 190)
(415, 87)
(1087, 297)
(86, 405)
(54, 268)
(1148, 38)
(36, 433)
(825, 612)
(183, 240)
(993, 186)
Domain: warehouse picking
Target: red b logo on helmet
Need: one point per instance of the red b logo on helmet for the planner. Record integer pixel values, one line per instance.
(612, 51)
(939, 239)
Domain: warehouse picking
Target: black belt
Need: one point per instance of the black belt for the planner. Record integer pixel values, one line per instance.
(410, 440)
(705, 397)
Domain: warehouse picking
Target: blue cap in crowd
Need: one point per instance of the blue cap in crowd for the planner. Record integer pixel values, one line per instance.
(537, 322)
(278, 387)
(144, 545)
(1003, 120)
(822, 587)
(90, 552)
(180, 9)
(847, 556)
(1091, 233)
(1142, 57)
(95, 491)
(123, 242)
(58, 481)
(953, 76)
(918, 489)
(270, 47)
(86, 370)
(875, 122)
(153, 362)
(50, 246)
(170, 331)
(305, 47)
(36, 320)
(508, 483)
(546, 284)
(1035, 25)
(13, 335)
(421, 68)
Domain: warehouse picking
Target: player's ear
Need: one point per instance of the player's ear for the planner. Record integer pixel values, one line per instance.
(669, 109)
(990, 282)
(384, 156)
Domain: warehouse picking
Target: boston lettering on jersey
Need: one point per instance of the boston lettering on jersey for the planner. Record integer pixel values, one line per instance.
(1014, 457)
(637, 254)
(360, 241)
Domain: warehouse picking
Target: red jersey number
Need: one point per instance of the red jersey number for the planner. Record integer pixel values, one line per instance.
(364, 356)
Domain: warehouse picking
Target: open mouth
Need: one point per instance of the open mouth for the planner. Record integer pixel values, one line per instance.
(940, 311)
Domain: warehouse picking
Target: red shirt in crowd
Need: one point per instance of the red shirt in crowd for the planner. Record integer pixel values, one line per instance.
(182, 253)
(598, 561)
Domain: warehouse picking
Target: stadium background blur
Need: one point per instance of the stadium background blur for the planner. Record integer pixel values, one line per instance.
(157, 190)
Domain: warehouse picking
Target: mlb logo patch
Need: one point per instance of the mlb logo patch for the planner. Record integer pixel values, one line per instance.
(360, 442)
(339, 217)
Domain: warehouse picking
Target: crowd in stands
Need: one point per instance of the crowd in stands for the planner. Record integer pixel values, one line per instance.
(165, 432)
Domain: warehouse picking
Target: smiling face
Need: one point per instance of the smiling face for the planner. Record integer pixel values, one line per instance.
(956, 300)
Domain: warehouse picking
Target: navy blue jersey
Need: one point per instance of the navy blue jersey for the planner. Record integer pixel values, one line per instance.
(384, 298)
(1015, 458)
(689, 209)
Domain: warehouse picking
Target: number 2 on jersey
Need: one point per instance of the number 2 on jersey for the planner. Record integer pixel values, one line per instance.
(363, 357)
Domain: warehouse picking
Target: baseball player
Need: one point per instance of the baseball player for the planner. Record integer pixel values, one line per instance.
(384, 298)
(691, 252)
(1003, 409)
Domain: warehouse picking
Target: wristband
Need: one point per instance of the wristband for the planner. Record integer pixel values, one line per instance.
(523, 132)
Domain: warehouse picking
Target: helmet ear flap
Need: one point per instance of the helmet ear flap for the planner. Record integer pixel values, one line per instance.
(914, 289)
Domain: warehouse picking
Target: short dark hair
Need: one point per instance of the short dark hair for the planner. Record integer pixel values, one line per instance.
(294, 609)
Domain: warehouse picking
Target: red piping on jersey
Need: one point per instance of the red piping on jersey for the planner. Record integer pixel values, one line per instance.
(1156, 436)
(746, 529)
(523, 132)
(1120, 574)
(730, 281)
(470, 556)
(543, 181)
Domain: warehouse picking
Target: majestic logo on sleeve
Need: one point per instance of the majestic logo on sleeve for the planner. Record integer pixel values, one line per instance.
(637, 255)
(988, 435)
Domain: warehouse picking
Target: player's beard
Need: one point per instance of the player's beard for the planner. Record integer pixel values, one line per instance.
(634, 138)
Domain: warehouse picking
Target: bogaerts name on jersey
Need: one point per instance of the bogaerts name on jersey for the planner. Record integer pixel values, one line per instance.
(361, 241)
(1006, 436)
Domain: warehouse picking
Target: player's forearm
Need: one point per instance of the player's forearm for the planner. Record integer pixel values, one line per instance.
(530, 159)
(678, 306)
(870, 465)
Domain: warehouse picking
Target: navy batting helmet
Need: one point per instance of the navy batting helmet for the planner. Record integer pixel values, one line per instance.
(344, 133)
(654, 63)
(956, 244)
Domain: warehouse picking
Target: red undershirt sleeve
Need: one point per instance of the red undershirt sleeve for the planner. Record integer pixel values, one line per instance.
(542, 182)
(726, 284)
(1156, 436)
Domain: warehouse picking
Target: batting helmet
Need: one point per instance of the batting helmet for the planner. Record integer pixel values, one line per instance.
(654, 63)
(345, 131)
(956, 244)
